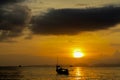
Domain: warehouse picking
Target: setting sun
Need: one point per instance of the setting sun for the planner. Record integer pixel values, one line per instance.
(77, 53)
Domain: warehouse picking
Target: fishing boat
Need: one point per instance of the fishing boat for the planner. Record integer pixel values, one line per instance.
(61, 70)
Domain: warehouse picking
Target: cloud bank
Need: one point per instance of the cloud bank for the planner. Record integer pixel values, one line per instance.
(74, 21)
(3, 2)
(67, 21)
(13, 19)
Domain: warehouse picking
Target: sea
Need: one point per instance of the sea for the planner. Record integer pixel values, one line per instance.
(49, 73)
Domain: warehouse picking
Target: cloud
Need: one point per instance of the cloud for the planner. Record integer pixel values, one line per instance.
(73, 21)
(13, 20)
(68, 21)
(3, 2)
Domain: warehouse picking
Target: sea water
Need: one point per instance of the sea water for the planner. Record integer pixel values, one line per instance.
(49, 73)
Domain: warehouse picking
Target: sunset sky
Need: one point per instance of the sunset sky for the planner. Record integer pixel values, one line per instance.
(36, 32)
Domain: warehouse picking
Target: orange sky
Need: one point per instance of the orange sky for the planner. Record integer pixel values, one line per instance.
(93, 45)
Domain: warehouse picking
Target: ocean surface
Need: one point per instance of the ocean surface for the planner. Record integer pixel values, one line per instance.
(49, 73)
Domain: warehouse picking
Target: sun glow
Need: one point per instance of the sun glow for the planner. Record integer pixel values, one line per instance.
(77, 53)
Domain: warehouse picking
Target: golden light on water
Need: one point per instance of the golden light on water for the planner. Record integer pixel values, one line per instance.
(77, 53)
(78, 71)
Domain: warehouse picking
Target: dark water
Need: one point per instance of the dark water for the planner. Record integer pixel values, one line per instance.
(48, 73)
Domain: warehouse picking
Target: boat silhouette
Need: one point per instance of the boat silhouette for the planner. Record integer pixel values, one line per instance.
(61, 70)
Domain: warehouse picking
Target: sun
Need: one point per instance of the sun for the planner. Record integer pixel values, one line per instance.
(77, 53)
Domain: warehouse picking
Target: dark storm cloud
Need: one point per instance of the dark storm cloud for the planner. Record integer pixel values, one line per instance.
(13, 20)
(3, 2)
(73, 21)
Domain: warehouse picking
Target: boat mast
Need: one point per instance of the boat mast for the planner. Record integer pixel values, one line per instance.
(57, 60)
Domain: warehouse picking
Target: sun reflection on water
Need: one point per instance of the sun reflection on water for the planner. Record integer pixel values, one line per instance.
(78, 73)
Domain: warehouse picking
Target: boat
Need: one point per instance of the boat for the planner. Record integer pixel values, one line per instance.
(61, 70)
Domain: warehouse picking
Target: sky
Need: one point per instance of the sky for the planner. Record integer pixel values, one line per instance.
(36, 32)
